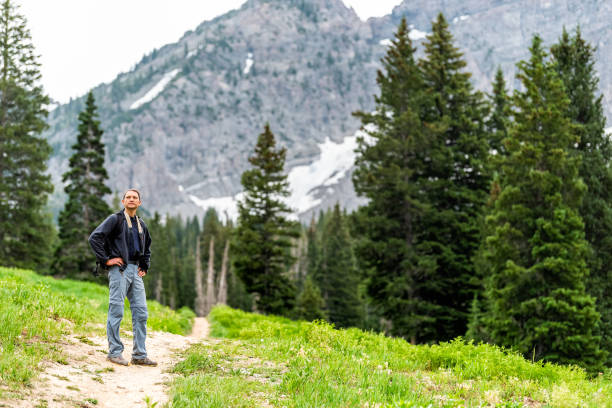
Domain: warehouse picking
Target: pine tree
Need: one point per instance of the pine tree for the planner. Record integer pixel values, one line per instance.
(460, 180)
(536, 297)
(160, 259)
(497, 124)
(187, 262)
(575, 60)
(310, 305)
(200, 300)
(497, 127)
(392, 169)
(85, 208)
(24, 227)
(262, 240)
(312, 250)
(336, 273)
(174, 262)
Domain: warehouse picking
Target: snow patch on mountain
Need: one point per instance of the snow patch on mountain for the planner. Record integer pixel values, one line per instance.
(248, 63)
(415, 34)
(460, 18)
(333, 164)
(226, 207)
(335, 161)
(156, 90)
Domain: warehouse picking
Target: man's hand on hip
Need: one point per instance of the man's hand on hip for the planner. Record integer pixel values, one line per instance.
(141, 273)
(114, 261)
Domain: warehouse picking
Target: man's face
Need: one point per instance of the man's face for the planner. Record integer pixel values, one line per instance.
(131, 200)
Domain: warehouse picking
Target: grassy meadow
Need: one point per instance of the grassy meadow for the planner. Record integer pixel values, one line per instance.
(35, 311)
(271, 361)
(266, 361)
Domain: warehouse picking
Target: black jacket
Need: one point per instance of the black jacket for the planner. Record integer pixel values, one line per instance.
(109, 240)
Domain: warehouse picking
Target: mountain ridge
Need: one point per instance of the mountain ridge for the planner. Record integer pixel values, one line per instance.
(302, 66)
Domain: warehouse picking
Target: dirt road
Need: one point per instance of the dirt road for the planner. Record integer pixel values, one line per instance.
(86, 379)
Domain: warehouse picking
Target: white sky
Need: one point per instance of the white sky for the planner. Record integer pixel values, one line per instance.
(82, 43)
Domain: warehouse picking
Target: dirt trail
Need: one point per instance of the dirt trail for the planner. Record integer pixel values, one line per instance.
(89, 380)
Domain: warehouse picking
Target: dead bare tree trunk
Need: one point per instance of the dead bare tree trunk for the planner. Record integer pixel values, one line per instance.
(199, 276)
(210, 279)
(222, 294)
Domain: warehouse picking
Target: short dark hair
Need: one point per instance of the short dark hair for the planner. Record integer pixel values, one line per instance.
(131, 189)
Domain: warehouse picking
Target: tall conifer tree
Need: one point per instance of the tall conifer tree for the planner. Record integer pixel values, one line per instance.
(498, 122)
(536, 296)
(497, 127)
(85, 208)
(262, 240)
(24, 186)
(310, 305)
(336, 273)
(161, 260)
(575, 60)
(459, 179)
(392, 170)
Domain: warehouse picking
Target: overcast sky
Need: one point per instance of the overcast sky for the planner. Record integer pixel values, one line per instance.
(82, 43)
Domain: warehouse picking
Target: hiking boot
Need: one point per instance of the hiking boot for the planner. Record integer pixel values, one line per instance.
(144, 361)
(118, 360)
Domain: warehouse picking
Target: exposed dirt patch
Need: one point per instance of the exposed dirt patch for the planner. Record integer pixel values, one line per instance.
(89, 380)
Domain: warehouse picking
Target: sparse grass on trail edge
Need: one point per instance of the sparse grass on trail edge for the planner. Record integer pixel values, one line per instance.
(313, 365)
(35, 311)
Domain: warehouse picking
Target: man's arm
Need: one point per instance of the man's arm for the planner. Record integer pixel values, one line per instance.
(99, 235)
(146, 254)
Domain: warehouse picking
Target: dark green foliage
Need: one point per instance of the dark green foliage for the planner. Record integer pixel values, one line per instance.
(459, 180)
(171, 278)
(336, 272)
(262, 242)
(536, 251)
(24, 227)
(388, 172)
(237, 295)
(310, 305)
(162, 269)
(476, 329)
(85, 208)
(575, 60)
(424, 173)
(312, 252)
(497, 124)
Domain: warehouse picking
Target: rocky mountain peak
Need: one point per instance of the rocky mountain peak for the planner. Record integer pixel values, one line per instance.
(313, 9)
(182, 123)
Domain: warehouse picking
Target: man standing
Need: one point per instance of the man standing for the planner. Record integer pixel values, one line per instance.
(122, 245)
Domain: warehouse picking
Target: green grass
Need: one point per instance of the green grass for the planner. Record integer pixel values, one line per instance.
(219, 376)
(313, 365)
(35, 311)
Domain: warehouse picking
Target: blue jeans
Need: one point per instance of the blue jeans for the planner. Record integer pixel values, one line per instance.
(122, 284)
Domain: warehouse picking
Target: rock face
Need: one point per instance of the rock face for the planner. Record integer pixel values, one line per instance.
(182, 122)
(498, 32)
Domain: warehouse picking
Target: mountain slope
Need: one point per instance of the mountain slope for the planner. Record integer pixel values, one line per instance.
(182, 123)
(188, 114)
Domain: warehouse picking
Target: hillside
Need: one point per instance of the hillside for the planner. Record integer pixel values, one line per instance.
(52, 354)
(53, 342)
(275, 362)
(182, 122)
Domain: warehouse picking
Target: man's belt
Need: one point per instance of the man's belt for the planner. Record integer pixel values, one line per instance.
(133, 262)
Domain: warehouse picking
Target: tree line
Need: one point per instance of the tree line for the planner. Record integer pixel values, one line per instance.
(488, 216)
